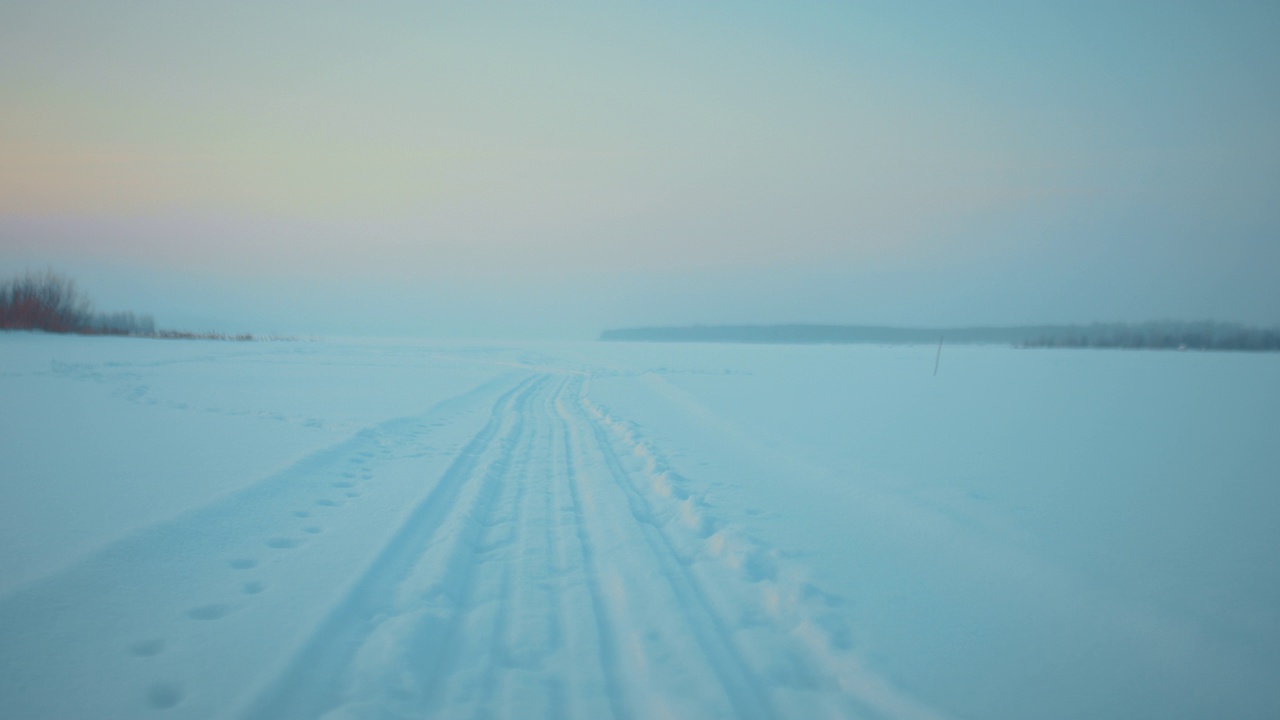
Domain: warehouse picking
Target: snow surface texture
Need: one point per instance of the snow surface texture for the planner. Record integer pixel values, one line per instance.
(406, 530)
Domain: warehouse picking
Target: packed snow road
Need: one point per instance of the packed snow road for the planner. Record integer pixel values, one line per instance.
(391, 530)
(556, 568)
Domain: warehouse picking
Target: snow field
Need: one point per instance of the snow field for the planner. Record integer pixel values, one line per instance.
(399, 530)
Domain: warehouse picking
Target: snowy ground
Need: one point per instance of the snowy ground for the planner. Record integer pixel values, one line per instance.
(406, 529)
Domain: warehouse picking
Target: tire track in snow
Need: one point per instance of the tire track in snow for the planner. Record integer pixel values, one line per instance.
(485, 598)
(426, 660)
(786, 632)
(555, 571)
(690, 620)
(309, 686)
(514, 644)
(524, 632)
(605, 642)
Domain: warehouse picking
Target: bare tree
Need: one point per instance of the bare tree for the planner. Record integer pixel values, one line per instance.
(46, 301)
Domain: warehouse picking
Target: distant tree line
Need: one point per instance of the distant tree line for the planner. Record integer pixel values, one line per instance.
(52, 303)
(800, 334)
(1166, 335)
(1150, 335)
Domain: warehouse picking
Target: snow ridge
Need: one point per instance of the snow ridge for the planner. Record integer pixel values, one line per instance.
(784, 636)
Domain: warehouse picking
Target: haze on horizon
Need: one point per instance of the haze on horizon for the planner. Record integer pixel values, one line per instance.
(555, 169)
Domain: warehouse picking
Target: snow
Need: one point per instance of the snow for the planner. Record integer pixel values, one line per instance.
(394, 529)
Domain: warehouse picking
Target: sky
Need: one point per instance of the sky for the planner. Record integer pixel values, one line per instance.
(554, 169)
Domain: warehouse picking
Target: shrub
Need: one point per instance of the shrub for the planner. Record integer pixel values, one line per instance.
(47, 302)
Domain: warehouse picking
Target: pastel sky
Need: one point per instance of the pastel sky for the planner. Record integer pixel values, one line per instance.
(557, 168)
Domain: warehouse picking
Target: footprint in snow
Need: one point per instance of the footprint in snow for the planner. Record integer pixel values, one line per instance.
(209, 612)
(243, 563)
(313, 529)
(325, 502)
(344, 484)
(301, 513)
(252, 588)
(147, 648)
(283, 543)
(164, 695)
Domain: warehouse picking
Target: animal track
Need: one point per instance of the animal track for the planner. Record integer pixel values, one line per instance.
(209, 612)
(252, 588)
(313, 529)
(352, 494)
(147, 648)
(243, 563)
(344, 484)
(324, 502)
(282, 543)
(164, 695)
(301, 513)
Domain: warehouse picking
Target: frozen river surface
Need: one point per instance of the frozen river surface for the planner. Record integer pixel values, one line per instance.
(401, 529)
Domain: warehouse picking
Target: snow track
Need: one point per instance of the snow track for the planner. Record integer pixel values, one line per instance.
(541, 579)
(550, 566)
(376, 610)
